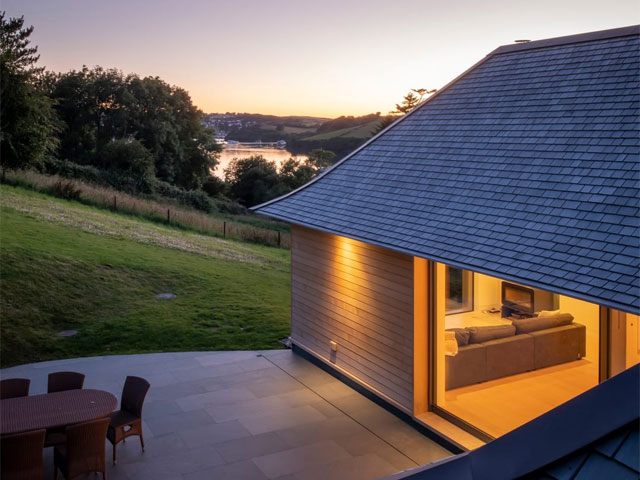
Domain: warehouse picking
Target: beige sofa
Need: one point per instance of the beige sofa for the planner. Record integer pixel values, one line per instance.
(487, 353)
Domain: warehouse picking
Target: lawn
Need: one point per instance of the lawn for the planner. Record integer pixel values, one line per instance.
(67, 266)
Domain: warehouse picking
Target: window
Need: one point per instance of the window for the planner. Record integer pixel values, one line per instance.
(458, 290)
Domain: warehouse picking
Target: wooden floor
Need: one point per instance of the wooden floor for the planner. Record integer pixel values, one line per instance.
(499, 406)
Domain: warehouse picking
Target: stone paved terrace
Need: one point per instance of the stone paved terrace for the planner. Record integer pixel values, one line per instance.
(245, 415)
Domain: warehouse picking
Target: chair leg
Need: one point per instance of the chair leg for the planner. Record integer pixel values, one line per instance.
(141, 440)
(114, 454)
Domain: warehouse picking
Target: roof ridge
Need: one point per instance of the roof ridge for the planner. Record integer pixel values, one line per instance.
(569, 39)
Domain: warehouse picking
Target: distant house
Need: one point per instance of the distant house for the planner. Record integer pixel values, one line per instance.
(477, 263)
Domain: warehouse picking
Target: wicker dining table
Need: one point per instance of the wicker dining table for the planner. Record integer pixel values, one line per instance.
(54, 410)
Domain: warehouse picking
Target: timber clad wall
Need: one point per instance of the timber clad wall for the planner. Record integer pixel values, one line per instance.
(360, 296)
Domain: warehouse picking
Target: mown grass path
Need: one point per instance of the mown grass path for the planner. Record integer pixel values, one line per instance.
(67, 266)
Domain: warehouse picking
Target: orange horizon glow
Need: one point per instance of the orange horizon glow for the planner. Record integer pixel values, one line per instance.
(299, 57)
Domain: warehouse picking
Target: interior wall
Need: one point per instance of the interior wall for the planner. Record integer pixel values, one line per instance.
(487, 292)
(588, 314)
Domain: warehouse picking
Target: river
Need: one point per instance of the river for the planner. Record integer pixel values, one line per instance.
(278, 155)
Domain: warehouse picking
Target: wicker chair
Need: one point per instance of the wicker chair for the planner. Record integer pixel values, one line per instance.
(62, 381)
(14, 387)
(83, 451)
(128, 420)
(21, 455)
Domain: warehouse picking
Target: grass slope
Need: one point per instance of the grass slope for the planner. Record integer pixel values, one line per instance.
(359, 131)
(68, 266)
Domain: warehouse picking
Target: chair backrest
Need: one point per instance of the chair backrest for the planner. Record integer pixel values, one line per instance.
(21, 455)
(133, 395)
(62, 381)
(86, 447)
(14, 387)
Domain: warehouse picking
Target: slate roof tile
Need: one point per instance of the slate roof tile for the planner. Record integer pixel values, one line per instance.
(627, 453)
(534, 151)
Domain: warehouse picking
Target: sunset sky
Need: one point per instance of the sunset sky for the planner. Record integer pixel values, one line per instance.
(299, 57)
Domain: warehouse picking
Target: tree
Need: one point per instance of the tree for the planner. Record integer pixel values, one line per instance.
(253, 180)
(410, 101)
(320, 158)
(130, 162)
(384, 123)
(100, 106)
(27, 122)
(293, 174)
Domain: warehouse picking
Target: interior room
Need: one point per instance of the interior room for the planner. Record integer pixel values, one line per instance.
(507, 353)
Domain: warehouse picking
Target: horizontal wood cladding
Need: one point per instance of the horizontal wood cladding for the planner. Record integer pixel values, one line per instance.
(361, 297)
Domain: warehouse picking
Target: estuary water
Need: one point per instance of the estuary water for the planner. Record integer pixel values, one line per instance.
(272, 154)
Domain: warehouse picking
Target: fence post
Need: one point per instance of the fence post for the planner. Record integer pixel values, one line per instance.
(224, 229)
(278, 238)
(168, 216)
(115, 203)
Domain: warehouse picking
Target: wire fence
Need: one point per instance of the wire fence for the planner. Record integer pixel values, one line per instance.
(155, 210)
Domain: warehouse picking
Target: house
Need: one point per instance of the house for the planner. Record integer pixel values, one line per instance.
(476, 264)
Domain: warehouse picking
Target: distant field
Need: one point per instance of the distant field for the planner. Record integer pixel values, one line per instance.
(68, 266)
(361, 131)
(297, 130)
(287, 129)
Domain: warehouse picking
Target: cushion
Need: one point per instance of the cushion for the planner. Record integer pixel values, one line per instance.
(527, 325)
(462, 335)
(491, 332)
(450, 343)
(548, 313)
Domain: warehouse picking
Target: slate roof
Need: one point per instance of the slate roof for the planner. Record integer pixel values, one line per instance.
(593, 436)
(526, 167)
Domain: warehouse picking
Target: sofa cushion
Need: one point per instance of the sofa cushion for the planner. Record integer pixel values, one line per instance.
(466, 368)
(491, 332)
(462, 335)
(559, 345)
(528, 325)
(509, 356)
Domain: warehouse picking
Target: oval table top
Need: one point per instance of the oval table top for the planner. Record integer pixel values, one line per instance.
(53, 410)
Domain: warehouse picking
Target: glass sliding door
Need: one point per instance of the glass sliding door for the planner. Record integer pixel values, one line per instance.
(505, 353)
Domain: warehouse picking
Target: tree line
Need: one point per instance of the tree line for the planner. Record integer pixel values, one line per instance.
(137, 134)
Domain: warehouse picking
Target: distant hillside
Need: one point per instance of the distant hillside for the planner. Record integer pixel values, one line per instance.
(359, 131)
(344, 122)
(302, 133)
(255, 126)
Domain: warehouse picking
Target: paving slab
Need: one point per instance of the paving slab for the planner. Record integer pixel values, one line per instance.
(298, 459)
(244, 415)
